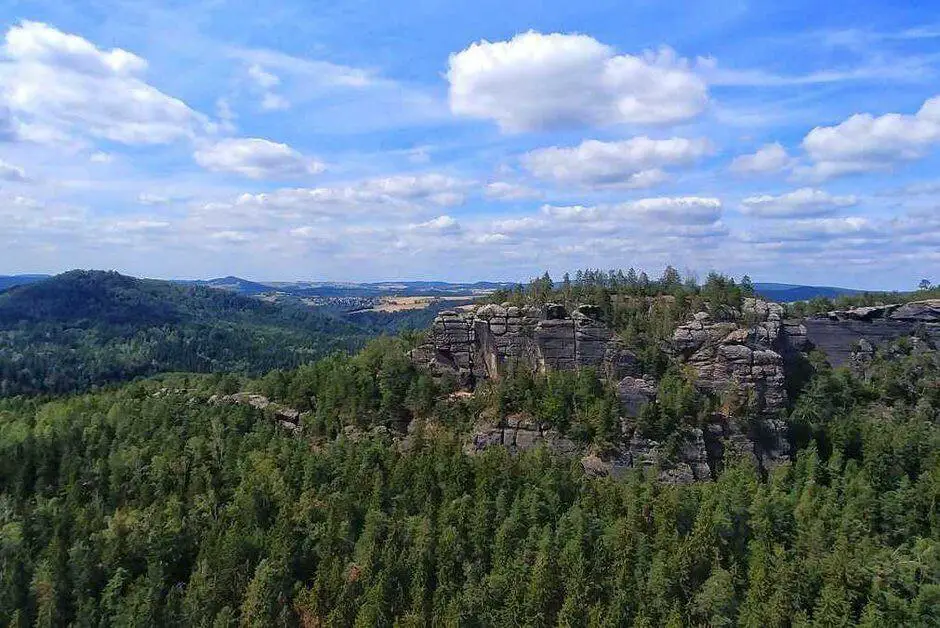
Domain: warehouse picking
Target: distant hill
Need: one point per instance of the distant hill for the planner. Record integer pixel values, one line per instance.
(8, 281)
(239, 285)
(351, 289)
(788, 293)
(84, 328)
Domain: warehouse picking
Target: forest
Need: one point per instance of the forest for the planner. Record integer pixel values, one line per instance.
(151, 503)
(84, 329)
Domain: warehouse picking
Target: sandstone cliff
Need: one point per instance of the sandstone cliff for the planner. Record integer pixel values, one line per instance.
(494, 339)
(742, 357)
(839, 333)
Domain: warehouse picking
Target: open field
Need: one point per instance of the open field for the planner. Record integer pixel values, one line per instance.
(401, 304)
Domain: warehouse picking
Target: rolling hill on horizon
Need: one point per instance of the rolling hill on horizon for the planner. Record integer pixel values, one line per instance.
(780, 292)
(84, 328)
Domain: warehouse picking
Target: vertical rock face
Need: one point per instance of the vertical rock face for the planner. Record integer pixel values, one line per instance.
(740, 354)
(840, 333)
(497, 338)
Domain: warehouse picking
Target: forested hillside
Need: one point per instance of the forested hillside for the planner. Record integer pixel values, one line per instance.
(150, 506)
(364, 489)
(86, 328)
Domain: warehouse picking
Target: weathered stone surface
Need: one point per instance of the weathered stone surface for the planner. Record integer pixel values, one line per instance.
(498, 338)
(634, 393)
(838, 333)
(740, 356)
(519, 433)
(288, 418)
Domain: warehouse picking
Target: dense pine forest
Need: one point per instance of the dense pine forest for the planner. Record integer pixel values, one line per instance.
(89, 328)
(156, 504)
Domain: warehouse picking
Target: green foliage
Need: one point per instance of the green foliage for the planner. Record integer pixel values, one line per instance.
(576, 403)
(83, 329)
(643, 312)
(678, 404)
(147, 505)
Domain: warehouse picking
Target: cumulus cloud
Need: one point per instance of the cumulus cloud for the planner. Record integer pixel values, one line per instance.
(56, 83)
(441, 224)
(385, 197)
(683, 209)
(865, 143)
(256, 158)
(11, 173)
(642, 213)
(541, 81)
(505, 191)
(633, 163)
(768, 159)
(801, 203)
(438, 189)
(818, 229)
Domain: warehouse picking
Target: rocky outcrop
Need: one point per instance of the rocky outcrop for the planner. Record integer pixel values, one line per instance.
(840, 333)
(493, 339)
(288, 418)
(634, 393)
(740, 354)
(519, 433)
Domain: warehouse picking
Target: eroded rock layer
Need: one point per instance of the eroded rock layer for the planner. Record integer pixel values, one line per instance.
(494, 339)
(839, 333)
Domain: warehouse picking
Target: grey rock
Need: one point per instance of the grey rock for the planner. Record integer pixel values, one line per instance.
(497, 338)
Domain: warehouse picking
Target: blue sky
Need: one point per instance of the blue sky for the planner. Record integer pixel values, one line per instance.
(796, 141)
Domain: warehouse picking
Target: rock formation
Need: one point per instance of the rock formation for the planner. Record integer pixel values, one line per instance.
(288, 418)
(519, 433)
(742, 357)
(740, 354)
(839, 333)
(494, 339)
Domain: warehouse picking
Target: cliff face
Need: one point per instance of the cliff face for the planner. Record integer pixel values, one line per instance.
(495, 339)
(742, 356)
(740, 353)
(839, 333)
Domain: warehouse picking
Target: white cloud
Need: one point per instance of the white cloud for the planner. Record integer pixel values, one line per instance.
(266, 82)
(505, 191)
(273, 102)
(818, 229)
(441, 224)
(140, 225)
(633, 163)
(683, 209)
(101, 157)
(232, 237)
(664, 211)
(11, 173)
(768, 159)
(376, 199)
(901, 69)
(256, 158)
(263, 78)
(55, 83)
(145, 198)
(865, 143)
(536, 81)
(801, 203)
(435, 188)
